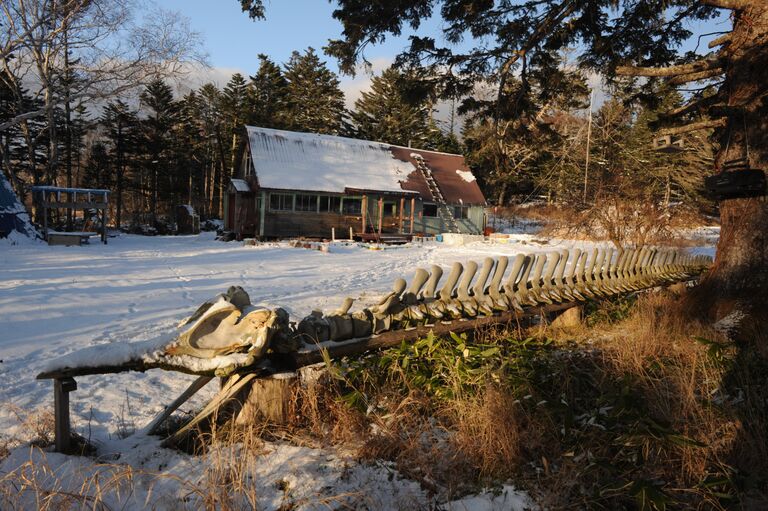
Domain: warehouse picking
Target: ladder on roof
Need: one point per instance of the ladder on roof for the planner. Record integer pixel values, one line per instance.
(443, 211)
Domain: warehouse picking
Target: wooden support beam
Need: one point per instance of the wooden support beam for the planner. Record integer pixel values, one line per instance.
(364, 211)
(381, 214)
(413, 209)
(196, 385)
(401, 211)
(62, 428)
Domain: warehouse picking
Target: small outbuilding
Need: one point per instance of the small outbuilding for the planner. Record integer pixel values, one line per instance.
(300, 184)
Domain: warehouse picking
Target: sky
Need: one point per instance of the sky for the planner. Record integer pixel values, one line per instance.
(232, 40)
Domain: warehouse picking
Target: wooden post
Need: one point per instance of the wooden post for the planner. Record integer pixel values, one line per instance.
(569, 318)
(104, 225)
(381, 213)
(61, 389)
(402, 208)
(364, 211)
(262, 213)
(351, 234)
(269, 398)
(45, 215)
(333, 234)
(196, 385)
(413, 208)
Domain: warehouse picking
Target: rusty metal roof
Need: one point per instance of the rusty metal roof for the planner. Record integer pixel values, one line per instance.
(304, 161)
(454, 178)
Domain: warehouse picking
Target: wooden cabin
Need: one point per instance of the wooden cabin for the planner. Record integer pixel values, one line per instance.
(293, 184)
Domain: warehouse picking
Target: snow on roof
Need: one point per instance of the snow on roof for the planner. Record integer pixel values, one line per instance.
(240, 185)
(323, 162)
(466, 175)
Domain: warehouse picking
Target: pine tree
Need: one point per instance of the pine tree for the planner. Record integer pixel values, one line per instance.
(120, 124)
(315, 101)
(162, 115)
(386, 115)
(268, 95)
(212, 124)
(234, 102)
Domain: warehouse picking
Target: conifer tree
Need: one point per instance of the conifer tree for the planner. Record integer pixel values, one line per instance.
(268, 95)
(162, 115)
(315, 101)
(385, 114)
(121, 129)
(234, 102)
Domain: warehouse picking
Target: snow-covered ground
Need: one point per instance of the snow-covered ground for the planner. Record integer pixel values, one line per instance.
(55, 300)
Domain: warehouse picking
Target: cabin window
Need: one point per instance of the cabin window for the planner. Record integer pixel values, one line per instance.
(247, 166)
(429, 210)
(460, 212)
(306, 203)
(281, 202)
(330, 204)
(352, 206)
(390, 209)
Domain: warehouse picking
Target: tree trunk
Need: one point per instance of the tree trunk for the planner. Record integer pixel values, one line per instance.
(120, 173)
(740, 273)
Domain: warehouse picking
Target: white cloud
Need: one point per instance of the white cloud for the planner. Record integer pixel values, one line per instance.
(353, 87)
(193, 77)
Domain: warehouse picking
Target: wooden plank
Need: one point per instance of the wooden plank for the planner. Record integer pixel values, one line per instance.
(228, 392)
(196, 385)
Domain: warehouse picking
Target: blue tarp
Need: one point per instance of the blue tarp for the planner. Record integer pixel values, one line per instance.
(13, 214)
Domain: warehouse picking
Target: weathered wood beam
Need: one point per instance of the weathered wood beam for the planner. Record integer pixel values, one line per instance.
(196, 385)
(134, 365)
(702, 125)
(62, 427)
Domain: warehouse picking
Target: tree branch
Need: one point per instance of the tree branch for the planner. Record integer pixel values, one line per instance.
(694, 77)
(696, 126)
(723, 39)
(690, 107)
(682, 69)
(728, 4)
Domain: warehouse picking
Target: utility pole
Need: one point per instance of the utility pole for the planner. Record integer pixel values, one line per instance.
(589, 136)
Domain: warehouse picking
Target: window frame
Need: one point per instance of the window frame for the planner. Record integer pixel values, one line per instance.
(312, 198)
(329, 199)
(279, 194)
(424, 210)
(346, 200)
(463, 212)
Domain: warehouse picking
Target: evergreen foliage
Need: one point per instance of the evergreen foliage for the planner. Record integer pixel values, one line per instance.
(385, 114)
(315, 101)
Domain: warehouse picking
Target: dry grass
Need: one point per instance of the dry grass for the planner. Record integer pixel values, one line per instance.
(646, 405)
(620, 221)
(643, 406)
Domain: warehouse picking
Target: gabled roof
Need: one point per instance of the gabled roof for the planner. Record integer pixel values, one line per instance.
(291, 160)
